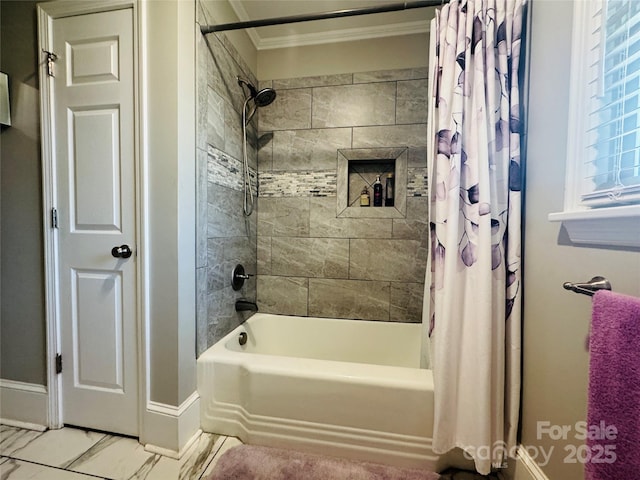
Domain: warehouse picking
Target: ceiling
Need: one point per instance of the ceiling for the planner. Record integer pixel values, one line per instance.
(361, 27)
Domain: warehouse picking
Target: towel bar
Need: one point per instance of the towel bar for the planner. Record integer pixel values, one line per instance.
(590, 287)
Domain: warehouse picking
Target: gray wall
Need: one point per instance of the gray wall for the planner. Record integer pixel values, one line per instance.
(225, 237)
(23, 355)
(310, 262)
(22, 316)
(168, 162)
(556, 322)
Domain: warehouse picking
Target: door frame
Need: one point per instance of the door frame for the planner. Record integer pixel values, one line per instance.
(47, 12)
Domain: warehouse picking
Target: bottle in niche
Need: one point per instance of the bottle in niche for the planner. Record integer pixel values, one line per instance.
(377, 192)
(365, 199)
(388, 191)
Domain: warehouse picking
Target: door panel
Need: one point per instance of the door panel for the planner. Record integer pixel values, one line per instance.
(93, 61)
(97, 326)
(95, 170)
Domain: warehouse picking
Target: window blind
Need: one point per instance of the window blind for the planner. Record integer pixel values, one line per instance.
(612, 161)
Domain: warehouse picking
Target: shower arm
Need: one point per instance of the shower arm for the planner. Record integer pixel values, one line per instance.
(252, 90)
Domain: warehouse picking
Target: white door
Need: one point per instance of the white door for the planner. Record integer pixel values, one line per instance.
(93, 130)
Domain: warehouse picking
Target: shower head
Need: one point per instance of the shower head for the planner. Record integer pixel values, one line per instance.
(265, 97)
(261, 98)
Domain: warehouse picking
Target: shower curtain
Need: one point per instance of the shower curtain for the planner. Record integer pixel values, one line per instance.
(473, 287)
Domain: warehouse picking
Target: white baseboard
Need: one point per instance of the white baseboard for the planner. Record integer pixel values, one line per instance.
(170, 430)
(24, 405)
(527, 468)
(177, 455)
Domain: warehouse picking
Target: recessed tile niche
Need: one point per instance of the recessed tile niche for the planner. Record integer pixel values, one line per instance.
(359, 167)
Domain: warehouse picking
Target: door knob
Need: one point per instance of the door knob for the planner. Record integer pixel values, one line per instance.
(123, 251)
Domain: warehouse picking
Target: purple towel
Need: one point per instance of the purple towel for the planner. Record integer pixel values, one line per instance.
(614, 388)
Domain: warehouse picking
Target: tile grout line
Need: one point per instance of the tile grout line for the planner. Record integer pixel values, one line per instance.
(196, 453)
(213, 457)
(146, 467)
(60, 468)
(19, 431)
(91, 450)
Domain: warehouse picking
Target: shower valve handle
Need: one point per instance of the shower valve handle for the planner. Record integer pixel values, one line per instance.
(238, 276)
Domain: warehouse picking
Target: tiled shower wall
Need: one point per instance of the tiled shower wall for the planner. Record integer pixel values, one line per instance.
(224, 235)
(309, 261)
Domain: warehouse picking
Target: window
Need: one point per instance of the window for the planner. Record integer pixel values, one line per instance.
(612, 165)
(602, 196)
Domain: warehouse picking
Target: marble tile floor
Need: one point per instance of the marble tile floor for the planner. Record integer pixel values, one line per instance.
(78, 454)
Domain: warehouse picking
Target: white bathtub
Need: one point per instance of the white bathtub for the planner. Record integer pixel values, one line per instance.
(339, 387)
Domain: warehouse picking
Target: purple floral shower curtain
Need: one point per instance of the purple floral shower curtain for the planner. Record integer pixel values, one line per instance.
(474, 273)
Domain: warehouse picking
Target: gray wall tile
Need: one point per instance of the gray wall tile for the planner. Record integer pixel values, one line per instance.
(324, 223)
(265, 84)
(223, 232)
(225, 254)
(201, 311)
(222, 316)
(388, 75)
(309, 149)
(411, 106)
(224, 213)
(243, 70)
(202, 92)
(215, 247)
(283, 217)
(390, 136)
(215, 119)
(265, 151)
(390, 260)
(236, 67)
(233, 132)
(348, 299)
(283, 295)
(354, 105)
(416, 224)
(201, 206)
(302, 245)
(317, 81)
(264, 256)
(290, 111)
(222, 73)
(310, 257)
(406, 302)
(418, 156)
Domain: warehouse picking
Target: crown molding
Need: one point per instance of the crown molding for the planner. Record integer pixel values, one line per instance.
(344, 35)
(332, 36)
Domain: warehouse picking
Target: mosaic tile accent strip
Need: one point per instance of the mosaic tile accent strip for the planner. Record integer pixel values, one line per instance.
(417, 185)
(319, 183)
(224, 170)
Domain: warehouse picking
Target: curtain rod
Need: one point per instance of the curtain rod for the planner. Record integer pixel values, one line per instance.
(351, 12)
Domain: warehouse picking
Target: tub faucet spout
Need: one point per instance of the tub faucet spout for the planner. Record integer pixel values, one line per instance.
(246, 306)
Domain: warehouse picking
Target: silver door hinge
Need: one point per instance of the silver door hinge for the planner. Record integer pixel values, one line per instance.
(58, 363)
(51, 58)
(54, 218)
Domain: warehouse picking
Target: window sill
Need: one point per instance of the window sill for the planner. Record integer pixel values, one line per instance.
(615, 226)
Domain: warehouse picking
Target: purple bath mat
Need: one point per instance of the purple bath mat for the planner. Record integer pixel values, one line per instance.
(250, 462)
